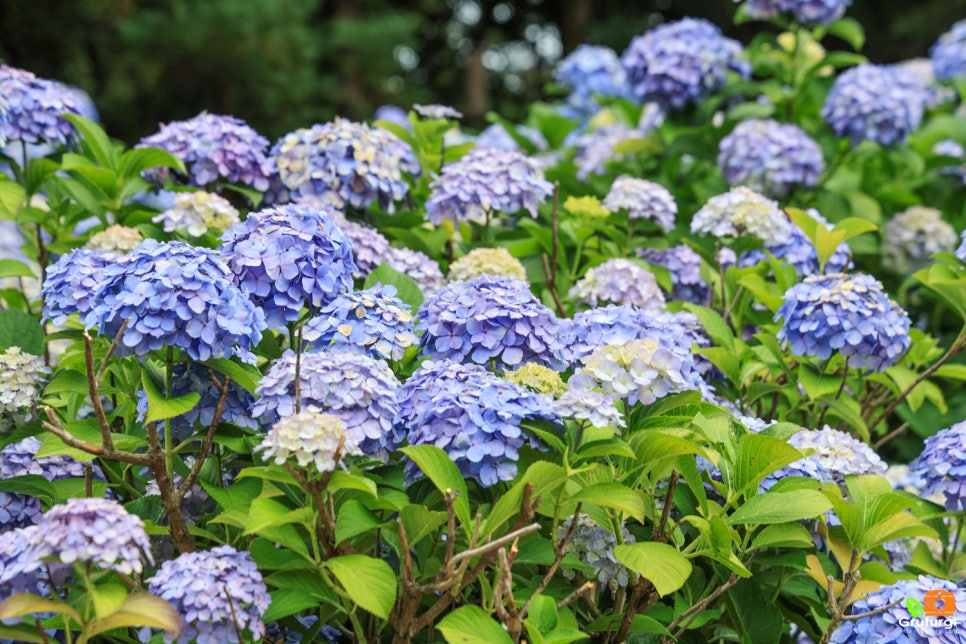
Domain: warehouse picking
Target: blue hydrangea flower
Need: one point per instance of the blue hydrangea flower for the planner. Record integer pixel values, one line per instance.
(34, 108)
(419, 266)
(358, 389)
(942, 466)
(472, 415)
(849, 314)
(360, 164)
(175, 295)
(486, 180)
(898, 625)
(20, 571)
(373, 320)
(742, 211)
(17, 459)
(214, 148)
(643, 199)
(961, 251)
(217, 593)
(684, 265)
(878, 103)
(489, 261)
(806, 12)
(72, 282)
(393, 114)
(619, 281)
(838, 452)
(770, 157)
(594, 545)
(586, 405)
(800, 252)
(115, 240)
(311, 437)
(595, 148)
(369, 246)
(4, 117)
(194, 378)
(948, 54)
(951, 148)
(22, 380)
(496, 136)
(680, 62)
(913, 236)
(590, 71)
(198, 212)
(287, 258)
(437, 111)
(809, 467)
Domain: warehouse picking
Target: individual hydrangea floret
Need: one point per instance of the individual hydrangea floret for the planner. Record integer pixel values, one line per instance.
(486, 181)
(742, 211)
(942, 466)
(643, 199)
(311, 437)
(18, 459)
(538, 378)
(176, 295)
(806, 12)
(472, 415)
(353, 386)
(287, 258)
(360, 164)
(594, 546)
(680, 62)
(684, 265)
(838, 452)
(948, 53)
(618, 281)
(218, 593)
(72, 282)
(198, 212)
(22, 380)
(437, 111)
(849, 314)
(878, 103)
(417, 265)
(770, 157)
(34, 108)
(489, 261)
(214, 148)
(590, 71)
(489, 319)
(913, 236)
(116, 240)
(374, 320)
(592, 407)
(595, 149)
(800, 252)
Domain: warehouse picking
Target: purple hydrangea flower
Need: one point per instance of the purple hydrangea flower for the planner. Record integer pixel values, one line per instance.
(487, 180)
(115, 240)
(198, 212)
(742, 211)
(34, 108)
(595, 149)
(942, 466)
(839, 452)
(489, 319)
(948, 54)
(218, 594)
(619, 281)
(20, 570)
(360, 164)
(72, 282)
(369, 246)
(489, 261)
(913, 236)
(951, 148)
(312, 437)
(22, 380)
(800, 252)
(496, 136)
(849, 314)
(643, 199)
(437, 111)
(374, 321)
(194, 378)
(684, 265)
(680, 62)
(175, 295)
(594, 545)
(358, 389)
(472, 415)
(18, 459)
(806, 12)
(420, 267)
(770, 157)
(215, 148)
(961, 251)
(590, 71)
(878, 103)
(287, 258)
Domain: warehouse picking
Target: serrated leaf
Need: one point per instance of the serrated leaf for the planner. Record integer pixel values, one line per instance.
(780, 507)
(661, 564)
(369, 582)
(444, 474)
(783, 535)
(612, 495)
(161, 408)
(817, 384)
(21, 604)
(353, 519)
(140, 609)
(472, 625)
(17, 329)
(30, 485)
(15, 268)
(288, 601)
(420, 522)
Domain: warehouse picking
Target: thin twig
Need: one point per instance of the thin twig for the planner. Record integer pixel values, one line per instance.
(55, 427)
(493, 545)
(585, 590)
(692, 613)
(888, 437)
(560, 551)
(209, 437)
(110, 350)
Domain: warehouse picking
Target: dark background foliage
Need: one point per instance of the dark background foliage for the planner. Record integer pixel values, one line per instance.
(282, 64)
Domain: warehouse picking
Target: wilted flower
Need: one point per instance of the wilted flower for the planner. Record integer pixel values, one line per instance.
(34, 108)
(538, 378)
(358, 163)
(800, 252)
(742, 211)
(643, 199)
(594, 546)
(680, 62)
(878, 103)
(948, 54)
(373, 320)
(590, 71)
(72, 282)
(595, 148)
(913, 236)
(770, 157)
(17, 459)
(489, 261)
(620, 281)
(218, 593)
(838, 452)
(115, 239)
(311, 436)
(487, 181)
(214, 147)
(22, 380)
(849, 314)
(489, 319)
(806, 12)
(198, 212)
(287, 258)
(436, 111)
(358, 389)
(942, 466)
(684, 265)
(417, 265)
(585, 405)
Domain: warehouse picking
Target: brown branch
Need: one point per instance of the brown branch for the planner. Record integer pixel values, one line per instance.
(560, 551)
(586, 589)
(55, 427)
(872, 613)
(659, 533)
(493, 545)
(888, 437)
(110, 350)
(158, 465)
(209, 437)
(696, 609)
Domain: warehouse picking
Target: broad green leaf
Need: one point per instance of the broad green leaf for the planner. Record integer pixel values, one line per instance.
(757, 457)
(543, 613)
(420, 522)
(267, 473)
(21, 604)
(15, 268)
(849, 30)
(783, 535)
(353, 519)
(817, 384)
(406, 289)
(545, 478)
(612, 495)
(718, 330)
(108, 598)
(22, 633)
(161, 408)
(369, 582)
(781, 507)
(661, 564)
(265, 513)
(471, 625)
(12, 199)
(139, 609)
(341, 480)
(288, 601)
(17, 329)
(93, 138)
(246, 376)
(137, 160)
(30, 485)
(444, 474)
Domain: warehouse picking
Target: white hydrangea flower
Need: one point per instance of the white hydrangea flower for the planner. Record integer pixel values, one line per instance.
(311, 436)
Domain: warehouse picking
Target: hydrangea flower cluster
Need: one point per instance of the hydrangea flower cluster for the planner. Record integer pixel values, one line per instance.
(620, 281)
(17, 459)
(898, 625)
(34, 108)
(770, 157)
(538, 378)
(289, 257)
(489, 319)
(115, 240)
(214, 148)
(595, 148)
(808, 467)
(217, 593)
(800, 252)
(487, 261)
(437, 111)
(586, 405)
(369, 246)
(913, 236)
(486, 180)
(393, 114)
(20, 572)
(310, 436)
(951, 148)
(358, 389)
(589, 71)
(684, 265)
(374, 321)
(497, 136)
(594, 545)
(4, 117)
(417, 265)
(198, 212)
(193, 378)
(838, 452)
(948, 54)
(472, 415)
(72, 282)
(878, 103)
(643, 199)
(742, 211)
(961, 251)
(360, 164)
(849, 314)
(175, 295)
(806, 12)
(22, 380)
(680, 62)
(942, 467)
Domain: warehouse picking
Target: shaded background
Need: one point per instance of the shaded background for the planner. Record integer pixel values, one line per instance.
(283, 64)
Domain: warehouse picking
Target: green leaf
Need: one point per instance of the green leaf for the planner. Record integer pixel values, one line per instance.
(17, 329)
(757, 457)
(30, 485)
(246, 376)
(444, 474)
(22, 633)
(15, 268)
(137, 160)
(265, 513)
(419, 522)
(781, 507)
(12, 199)
(369, 582)
(406, 289)
(663, 565)
(159, 407)
(543, 613)
(288, 601)
(354, 519)
(783, 535)
(817, 384)
(612, 495)
(94, 139)
(718, 330)
(472, 625)
(21, 604)
(139, 609)
(849, 30)
(545, 477)
(108, 598)
(341, 480)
